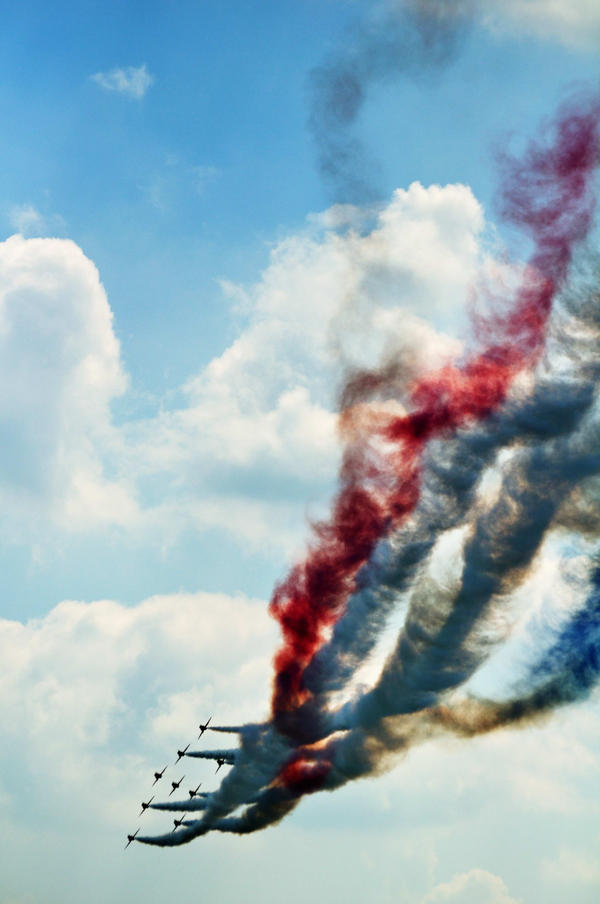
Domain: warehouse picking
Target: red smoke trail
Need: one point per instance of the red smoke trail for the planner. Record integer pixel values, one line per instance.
(304, 775)
(548, 194)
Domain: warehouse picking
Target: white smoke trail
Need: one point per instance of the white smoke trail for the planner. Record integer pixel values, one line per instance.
(228, 755)
(196, 803)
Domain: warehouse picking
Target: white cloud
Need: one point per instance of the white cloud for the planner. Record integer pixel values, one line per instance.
(573, 22)
(27, 219)
(131, 81)
(474, 887)
(95, 695)
(257, 430)
(255, 437)
(59, 370)
(571, 866)
(29, 222)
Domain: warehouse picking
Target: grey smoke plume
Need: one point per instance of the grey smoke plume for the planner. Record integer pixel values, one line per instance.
(414, 38)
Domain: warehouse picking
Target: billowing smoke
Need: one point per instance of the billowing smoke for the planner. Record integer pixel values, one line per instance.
(382, 471)
(416, 38)
(502, 448)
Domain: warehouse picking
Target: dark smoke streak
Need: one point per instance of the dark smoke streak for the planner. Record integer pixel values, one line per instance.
(412, 38)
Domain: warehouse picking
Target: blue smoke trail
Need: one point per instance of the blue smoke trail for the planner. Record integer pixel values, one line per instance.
(571, 667)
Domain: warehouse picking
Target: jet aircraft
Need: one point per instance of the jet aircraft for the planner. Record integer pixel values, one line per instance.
(178, 822)
(203, 727)
(175, 785)
(221, 762)
(158, 775)
(146, 805)
(181, 753)
(194, 793)
(130, 838)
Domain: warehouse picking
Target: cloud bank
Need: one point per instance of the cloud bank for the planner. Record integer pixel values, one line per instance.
(92, 692)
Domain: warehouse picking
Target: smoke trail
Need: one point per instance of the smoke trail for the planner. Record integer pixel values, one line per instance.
(181, 805)
(567, 672)
(439, 648)
(435, 651)
(452, 470)
(498, 553)
(411, 38)
(366, 748)
(551, 427)
(569, 669)
(228, 754)
(378, 489)
(503, 543)
(504, 536)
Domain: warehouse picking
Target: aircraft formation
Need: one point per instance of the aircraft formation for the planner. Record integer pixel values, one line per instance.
(217, 755)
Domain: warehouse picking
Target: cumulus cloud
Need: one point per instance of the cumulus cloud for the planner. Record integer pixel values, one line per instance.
(475, 887)
(96, 694)
(255, 435)
(59, 370)
(258, 424)
(131, 81)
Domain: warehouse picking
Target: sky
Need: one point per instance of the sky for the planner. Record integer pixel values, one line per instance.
(183, 284)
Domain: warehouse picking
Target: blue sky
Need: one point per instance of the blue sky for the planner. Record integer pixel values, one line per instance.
(176, 305)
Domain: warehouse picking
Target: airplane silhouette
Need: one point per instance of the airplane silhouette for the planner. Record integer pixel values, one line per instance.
(194, 793)
(221, 762)
(203, 727)
(158, 775)
(146, 805)
(178, 822)
(130, 839)
(175, 785)
(181, 753)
